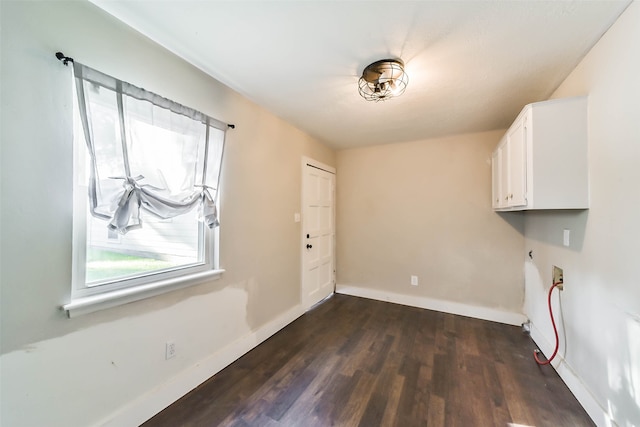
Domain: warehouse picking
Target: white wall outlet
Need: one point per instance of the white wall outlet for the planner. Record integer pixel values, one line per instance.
(566, 237)
(296, 217)
(170, 350)
(414, 280)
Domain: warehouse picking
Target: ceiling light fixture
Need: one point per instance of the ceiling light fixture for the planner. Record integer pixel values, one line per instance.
(383, 80)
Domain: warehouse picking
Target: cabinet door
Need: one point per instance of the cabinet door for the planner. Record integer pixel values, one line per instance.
(503, 157)
(517, 163)
(496, 178)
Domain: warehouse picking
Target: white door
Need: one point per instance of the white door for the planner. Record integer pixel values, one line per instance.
(318, 232)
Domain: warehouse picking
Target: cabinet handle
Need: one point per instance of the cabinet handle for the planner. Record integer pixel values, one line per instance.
(511, 196)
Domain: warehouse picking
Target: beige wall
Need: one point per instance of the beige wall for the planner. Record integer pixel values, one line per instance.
(76, 372)
(600, 331)
(424, 208)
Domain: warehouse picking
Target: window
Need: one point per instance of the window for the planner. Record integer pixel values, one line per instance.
(146, 179)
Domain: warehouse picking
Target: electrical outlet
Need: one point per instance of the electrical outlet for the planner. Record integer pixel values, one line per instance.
(558, 277)
(170, 350)
(414, 280)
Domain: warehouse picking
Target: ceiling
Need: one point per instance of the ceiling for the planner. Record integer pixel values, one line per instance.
(472, 65)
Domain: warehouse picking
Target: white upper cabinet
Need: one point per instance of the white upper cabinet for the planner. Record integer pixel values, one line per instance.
(541, 162)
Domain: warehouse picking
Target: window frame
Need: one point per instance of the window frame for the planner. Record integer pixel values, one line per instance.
(87, 298)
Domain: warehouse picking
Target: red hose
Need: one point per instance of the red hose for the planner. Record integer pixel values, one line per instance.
(555, 331)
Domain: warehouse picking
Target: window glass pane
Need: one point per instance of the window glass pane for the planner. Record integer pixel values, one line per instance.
(160, 245)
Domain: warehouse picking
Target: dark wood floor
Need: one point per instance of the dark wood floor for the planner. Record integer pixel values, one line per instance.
(358, 362)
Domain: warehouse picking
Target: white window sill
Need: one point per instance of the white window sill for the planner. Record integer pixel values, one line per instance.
(89, 304)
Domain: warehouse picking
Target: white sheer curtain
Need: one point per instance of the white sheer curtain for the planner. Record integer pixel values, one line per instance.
(147, 153)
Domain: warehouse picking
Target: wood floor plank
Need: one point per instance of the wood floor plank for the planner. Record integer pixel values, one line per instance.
(393, 399)
(518, 406)
(356, 405)
(383, 389)
(495, 395)
(435, 415)
(311, 397)
(335, 395)
(410, 369)
(356, 358)
(359, 362)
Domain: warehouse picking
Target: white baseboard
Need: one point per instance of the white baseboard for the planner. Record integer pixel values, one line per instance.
(156, 400)
(584, 396)
(484, 313)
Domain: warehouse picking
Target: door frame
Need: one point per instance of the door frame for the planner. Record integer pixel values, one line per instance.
(309, 162)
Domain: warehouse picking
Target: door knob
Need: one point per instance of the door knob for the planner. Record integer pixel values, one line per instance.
(309, 246)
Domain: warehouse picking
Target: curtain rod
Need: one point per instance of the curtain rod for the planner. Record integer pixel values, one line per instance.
(66, 59)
